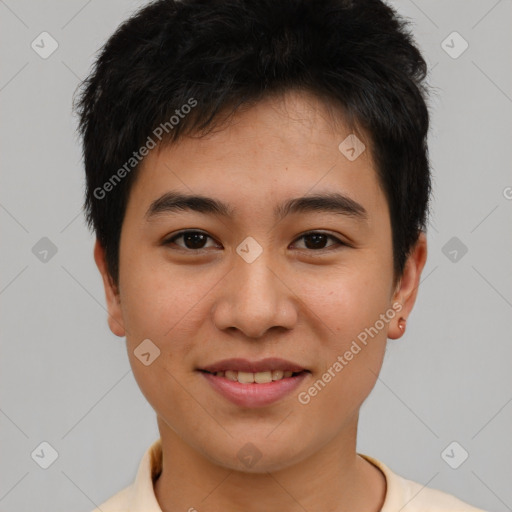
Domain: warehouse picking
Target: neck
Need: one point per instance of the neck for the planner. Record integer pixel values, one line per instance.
(333, 479)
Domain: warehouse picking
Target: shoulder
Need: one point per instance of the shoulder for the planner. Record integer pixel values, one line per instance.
(140, 494)
(118, 503)
(423, 499)
(409, 496)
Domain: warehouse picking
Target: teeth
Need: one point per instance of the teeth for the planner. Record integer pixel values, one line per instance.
(245, 377)
(263, 377)
(231, 375)
(277, 374)
(259, 377)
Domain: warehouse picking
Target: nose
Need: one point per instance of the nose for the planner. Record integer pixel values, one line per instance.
(254, 299)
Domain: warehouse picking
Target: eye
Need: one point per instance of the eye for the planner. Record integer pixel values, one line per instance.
(191, 240)
(196, 240)
(316, 240)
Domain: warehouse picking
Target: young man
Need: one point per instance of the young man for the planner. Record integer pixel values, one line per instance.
(258, 181)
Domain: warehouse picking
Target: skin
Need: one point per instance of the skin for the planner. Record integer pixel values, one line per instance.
(303, 304)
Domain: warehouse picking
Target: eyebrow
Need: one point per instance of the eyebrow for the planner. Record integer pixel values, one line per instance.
(172, 202)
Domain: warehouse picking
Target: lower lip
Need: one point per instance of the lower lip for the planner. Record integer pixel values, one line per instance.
(254, 395)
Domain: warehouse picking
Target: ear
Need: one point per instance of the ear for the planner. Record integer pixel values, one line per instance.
(115, 317)
(407, 288)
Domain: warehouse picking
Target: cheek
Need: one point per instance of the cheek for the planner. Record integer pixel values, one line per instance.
(350, 355)
(346, 300)
(159, 302)
(348, 305)
(166, 309)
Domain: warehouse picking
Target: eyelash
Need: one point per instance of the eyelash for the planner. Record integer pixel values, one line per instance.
(181, 234)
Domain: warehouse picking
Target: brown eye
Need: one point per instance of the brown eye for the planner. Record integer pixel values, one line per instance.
(192, 240)
(317, 241)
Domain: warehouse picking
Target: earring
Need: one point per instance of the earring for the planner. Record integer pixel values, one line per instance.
(401, 324)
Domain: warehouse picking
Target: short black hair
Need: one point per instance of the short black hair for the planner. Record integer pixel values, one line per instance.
(204, 58)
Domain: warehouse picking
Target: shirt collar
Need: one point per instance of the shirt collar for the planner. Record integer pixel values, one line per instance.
(143, 492)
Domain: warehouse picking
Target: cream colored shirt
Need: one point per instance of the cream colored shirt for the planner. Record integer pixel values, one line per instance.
(401, 495)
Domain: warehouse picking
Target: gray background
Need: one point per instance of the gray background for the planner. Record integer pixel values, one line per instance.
(65, 378)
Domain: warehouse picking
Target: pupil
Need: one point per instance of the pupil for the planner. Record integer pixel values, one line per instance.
(194, 240)
(318, 241)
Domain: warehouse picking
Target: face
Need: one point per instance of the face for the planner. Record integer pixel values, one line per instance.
(252, 268)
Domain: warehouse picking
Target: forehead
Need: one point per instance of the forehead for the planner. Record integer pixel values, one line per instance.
(277, 148)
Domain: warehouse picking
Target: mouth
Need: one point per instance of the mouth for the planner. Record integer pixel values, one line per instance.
(254, 384)
(264, 377)
(269, 364)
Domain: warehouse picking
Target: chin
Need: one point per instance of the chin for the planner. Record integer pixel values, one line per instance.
(258, 456)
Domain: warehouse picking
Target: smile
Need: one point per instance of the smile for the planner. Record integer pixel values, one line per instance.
(246, 389)
(258, 378)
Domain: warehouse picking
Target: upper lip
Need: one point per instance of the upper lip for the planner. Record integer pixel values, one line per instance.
(244, 365)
